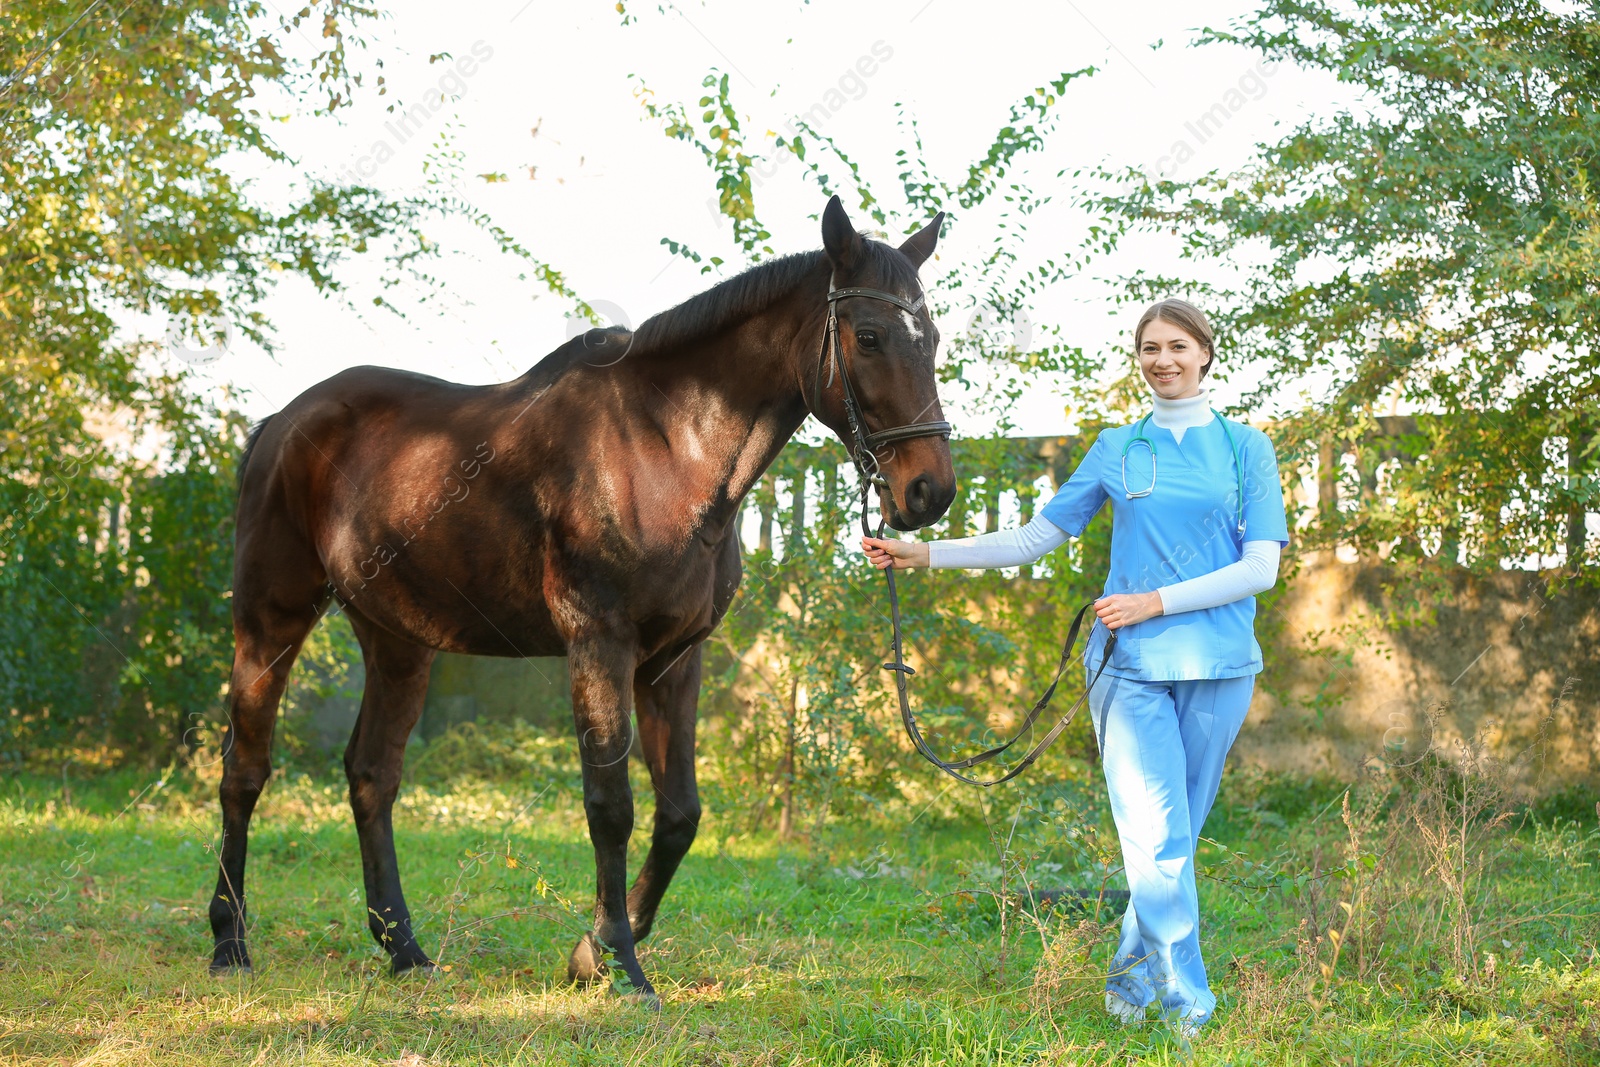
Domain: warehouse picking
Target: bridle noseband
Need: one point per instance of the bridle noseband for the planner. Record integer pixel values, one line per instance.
(866, 445)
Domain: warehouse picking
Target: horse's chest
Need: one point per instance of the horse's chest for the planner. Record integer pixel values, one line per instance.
(693, 560)
(687, 567)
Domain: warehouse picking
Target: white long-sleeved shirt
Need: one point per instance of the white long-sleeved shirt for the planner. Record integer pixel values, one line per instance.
(1255, 572)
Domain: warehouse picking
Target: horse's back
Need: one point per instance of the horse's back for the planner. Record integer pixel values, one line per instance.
(366, 390)
(342, 442)
(384, 401)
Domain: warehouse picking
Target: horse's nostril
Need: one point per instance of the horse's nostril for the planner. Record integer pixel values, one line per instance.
(919, 494)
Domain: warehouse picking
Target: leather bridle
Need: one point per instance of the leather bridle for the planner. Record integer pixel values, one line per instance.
(864, 455)
(866, 445)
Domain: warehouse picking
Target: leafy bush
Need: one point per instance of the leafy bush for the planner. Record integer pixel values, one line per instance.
(509, 752)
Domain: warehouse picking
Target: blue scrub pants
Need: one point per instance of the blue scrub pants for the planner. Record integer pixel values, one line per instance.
(1163, 745)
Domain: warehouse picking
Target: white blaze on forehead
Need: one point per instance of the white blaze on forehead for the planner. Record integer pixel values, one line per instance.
(912, 326)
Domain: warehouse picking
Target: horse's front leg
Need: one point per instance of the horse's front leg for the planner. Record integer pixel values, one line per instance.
(602, 680)
(667, 695)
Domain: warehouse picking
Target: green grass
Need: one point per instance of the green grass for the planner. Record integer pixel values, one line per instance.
(877, 941)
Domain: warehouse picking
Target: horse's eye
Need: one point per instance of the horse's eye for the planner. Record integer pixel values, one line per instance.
(867, 339)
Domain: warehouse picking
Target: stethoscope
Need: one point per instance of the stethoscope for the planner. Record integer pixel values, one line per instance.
(1139, 436)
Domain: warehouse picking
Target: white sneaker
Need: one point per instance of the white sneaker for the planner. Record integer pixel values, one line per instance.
(1124, 1010)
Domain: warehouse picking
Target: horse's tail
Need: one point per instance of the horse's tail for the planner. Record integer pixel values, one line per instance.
(249, 447)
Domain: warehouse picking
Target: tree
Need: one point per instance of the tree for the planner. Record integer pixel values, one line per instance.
(996, 288)
(1434, 254)
(121, 129)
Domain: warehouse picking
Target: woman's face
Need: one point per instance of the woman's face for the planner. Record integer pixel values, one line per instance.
(1170, 360)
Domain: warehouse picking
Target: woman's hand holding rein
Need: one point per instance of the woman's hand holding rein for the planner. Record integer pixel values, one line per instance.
(1125, 609)
(902, 555)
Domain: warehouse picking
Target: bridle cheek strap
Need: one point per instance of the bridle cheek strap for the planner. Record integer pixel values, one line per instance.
(866, 444)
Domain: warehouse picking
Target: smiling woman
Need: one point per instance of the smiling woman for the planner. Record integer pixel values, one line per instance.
(1180, 597)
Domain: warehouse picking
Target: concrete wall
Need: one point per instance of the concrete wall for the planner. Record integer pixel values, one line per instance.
(1498, 649)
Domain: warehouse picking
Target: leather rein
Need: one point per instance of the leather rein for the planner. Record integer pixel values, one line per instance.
(864, 455)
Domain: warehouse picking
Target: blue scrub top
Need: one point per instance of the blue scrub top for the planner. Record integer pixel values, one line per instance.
(1185, 528)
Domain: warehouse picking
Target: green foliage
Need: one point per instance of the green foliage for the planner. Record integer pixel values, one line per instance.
(819, 732)
(115, 200)
(804, 637)
(1436, 251)
(328, 668)
(116, 635)
(512, 753)
(996, 285)
(723, 150)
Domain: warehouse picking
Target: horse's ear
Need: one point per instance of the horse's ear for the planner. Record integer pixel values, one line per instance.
(919, 246)
(839, 237)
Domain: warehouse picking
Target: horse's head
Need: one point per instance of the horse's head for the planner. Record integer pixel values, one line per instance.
(887, 342)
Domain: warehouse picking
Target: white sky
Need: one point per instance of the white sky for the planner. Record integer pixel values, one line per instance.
(609, 185)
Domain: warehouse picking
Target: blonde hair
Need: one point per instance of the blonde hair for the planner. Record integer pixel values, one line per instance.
(1186, 317)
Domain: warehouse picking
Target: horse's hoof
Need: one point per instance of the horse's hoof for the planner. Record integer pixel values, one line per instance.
(586, 966)
(640, 993)
(644, 998)
(231, 969)
(423, 968)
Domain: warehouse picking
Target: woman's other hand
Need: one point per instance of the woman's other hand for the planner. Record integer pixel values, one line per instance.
(902, 555)
(1125, 609)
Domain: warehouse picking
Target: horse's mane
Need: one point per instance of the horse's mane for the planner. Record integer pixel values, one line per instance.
(753, 291)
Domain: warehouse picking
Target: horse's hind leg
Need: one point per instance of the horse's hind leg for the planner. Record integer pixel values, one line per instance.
(268, 631)
(397, 684)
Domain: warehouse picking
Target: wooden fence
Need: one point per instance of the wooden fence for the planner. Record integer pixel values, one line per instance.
(990, 467)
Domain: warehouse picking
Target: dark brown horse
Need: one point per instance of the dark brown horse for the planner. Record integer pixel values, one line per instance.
(586, 509)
